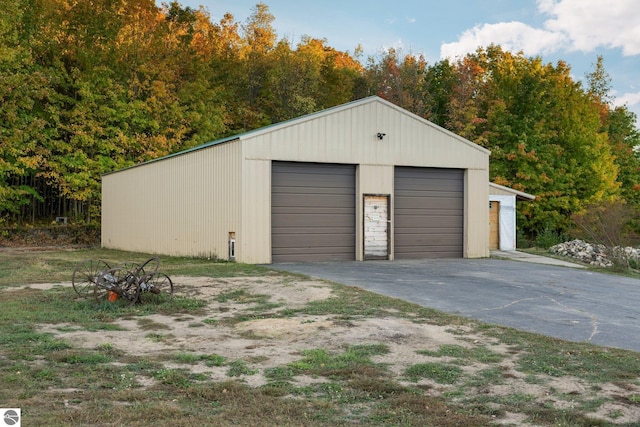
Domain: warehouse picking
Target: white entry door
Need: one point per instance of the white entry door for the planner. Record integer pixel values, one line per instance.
(376, 227)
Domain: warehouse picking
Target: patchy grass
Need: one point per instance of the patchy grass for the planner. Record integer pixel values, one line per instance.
(19, 268)
(353, 362)
(352, 303)
(464, 355)
(193, 358)
(471, 383)
(539, 355)
(441, 373)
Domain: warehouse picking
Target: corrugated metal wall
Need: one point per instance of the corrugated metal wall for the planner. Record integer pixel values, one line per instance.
(476, 214)
(348, 135)
(183, 205)
(255, 239)
(200, 196)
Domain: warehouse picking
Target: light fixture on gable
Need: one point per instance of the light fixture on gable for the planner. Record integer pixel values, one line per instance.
(381, 135)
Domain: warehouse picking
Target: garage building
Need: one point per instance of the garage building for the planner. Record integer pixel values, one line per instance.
(364, 180)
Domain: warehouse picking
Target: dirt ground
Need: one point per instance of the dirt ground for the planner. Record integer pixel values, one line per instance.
(274, 342)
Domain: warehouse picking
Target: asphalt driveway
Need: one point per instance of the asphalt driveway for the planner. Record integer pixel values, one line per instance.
(567, 303)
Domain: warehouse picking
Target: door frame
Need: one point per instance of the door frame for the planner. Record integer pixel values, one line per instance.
(387, 197)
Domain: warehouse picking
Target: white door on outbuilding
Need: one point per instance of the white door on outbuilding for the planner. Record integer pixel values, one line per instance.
(376, 227)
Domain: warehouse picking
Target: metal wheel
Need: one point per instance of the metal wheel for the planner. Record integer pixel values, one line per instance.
(156, 287)
(150, 266)
(119, 282)
(86, 275)
(130, 268)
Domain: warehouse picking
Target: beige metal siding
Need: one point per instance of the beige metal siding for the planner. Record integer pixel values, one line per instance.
(195, 199)
(183, 205)
(499, 191)
(254, 243)
(347, 134)
(476, 213)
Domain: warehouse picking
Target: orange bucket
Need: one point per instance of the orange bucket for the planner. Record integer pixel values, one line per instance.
(112, 296)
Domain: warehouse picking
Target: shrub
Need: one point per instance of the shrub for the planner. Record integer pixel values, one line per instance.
(610, 223)
(54, 235)
(548, 238)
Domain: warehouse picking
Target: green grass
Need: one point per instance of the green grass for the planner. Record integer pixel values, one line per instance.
(354, 361)
(179, 378)
(239, 368)
(486, 377)
(351, 303)
(279, 373)
(193, 358)
(61, 305)
(22, 268)
(465, 355)
(442, 373)
(556, 358)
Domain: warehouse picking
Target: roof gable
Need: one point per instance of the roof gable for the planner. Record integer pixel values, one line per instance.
(355, 105)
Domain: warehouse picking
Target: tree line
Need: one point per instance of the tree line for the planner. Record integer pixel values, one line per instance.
(88, 87)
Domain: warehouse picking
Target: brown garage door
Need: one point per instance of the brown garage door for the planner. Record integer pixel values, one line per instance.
(312, 212)
(429, 212)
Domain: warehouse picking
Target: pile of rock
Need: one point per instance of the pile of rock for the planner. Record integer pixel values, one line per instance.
(597, 255)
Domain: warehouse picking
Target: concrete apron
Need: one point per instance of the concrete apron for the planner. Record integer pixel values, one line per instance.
(537, 259)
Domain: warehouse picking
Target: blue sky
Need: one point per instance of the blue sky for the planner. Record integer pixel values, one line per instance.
(576, 31)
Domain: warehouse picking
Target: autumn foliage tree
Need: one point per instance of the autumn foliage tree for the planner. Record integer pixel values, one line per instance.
(543, 131)
(91, 87)
(549, 134)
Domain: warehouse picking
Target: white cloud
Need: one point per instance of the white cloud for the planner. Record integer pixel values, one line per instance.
(546, 6)
(573, 25)
(590, 24)
(398, 46)
(512, 36)
(628, 99)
